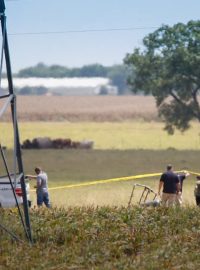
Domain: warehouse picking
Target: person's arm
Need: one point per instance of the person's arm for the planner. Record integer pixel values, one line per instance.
(31, 176)
(160, 186)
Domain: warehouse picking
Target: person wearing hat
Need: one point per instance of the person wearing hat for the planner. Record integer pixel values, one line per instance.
(170, 185)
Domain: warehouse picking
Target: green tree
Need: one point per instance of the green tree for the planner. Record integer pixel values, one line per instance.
(94, 70)
(118, 75)
(56, 71)
(169, 69)
(40, 70)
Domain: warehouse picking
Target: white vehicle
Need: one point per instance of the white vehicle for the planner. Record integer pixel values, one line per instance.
(7, 198)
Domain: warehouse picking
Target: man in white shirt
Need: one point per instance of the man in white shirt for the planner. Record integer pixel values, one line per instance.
(41, 187)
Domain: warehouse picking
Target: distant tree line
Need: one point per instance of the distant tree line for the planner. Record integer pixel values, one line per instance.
(117, 74)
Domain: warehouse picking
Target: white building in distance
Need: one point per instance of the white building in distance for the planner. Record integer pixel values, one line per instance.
(65, 86)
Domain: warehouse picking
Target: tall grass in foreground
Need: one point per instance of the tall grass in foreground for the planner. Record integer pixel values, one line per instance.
(106, 238)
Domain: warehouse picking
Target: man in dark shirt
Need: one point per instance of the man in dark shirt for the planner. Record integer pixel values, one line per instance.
(169, 181)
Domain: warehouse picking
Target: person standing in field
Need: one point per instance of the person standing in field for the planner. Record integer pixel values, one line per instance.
(170, 185)
(181, 177)
(41, 187)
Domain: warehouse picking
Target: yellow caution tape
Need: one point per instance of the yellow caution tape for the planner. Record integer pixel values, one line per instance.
(195, 173)
(105, 181)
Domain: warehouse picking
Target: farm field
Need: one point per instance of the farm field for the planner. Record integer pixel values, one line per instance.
(127, 141)
(85, 108)
(90, 227)
(107, 135)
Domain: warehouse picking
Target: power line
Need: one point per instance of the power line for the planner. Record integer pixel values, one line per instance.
(83, 31)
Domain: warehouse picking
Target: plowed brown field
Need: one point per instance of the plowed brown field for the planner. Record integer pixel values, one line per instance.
(82, 108)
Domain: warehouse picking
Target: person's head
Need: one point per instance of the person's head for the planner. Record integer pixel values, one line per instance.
(198, 177)
(38, 170)
(169, 167)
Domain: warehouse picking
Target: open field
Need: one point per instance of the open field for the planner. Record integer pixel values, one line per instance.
(90, 227)
(125, 135)
(72, 167)
(83, 108)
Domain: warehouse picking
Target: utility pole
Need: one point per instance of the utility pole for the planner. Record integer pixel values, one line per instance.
(10, 100)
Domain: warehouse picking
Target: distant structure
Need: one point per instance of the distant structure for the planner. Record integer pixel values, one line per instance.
(8, 99)
(67, 86)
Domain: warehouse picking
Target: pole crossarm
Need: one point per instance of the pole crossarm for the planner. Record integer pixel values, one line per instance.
(4, 96)
(5, 106)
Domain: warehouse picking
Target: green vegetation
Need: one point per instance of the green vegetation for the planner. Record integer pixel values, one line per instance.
(126, 135)
(169, 68)
(56, 71)
(105, 238)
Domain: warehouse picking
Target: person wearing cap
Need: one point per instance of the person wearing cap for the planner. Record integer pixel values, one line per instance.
(170, 185)
(181, 176)
(41, 187)
(197, 191)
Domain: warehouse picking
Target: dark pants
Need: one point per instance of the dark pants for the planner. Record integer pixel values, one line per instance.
(198, 200)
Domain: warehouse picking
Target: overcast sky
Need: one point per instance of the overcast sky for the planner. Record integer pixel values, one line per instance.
(30, 25)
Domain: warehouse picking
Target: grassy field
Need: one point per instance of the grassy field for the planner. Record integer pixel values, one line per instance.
(78, 166)
(106, 135)
(82, 166)
(104, 238)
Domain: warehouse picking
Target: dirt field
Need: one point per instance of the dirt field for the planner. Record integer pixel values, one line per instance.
(92, 108)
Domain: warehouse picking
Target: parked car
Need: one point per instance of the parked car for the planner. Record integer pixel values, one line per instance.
(7, 198)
